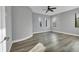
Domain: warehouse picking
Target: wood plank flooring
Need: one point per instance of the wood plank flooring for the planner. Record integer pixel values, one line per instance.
(54, 42)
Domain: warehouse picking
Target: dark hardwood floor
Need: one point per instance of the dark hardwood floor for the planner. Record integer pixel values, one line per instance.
(54, 42)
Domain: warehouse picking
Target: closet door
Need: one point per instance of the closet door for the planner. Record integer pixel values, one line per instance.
(2, 30)
(5, 29)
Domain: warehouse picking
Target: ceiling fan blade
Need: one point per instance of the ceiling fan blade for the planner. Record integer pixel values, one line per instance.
(53, 8)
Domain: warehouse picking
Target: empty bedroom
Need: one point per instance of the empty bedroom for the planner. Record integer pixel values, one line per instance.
(39, 29)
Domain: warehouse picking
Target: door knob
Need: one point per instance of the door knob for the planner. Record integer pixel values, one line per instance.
(6, 38)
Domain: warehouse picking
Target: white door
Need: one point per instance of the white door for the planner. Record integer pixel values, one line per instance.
(5, 29)
(8, 20)
(2, 30)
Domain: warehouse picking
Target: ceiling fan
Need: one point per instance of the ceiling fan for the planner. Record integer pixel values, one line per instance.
(50, 8)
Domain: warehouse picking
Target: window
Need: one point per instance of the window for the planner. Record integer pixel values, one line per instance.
(46, 21)
(40, 22)
(54, 22)
(76, 19)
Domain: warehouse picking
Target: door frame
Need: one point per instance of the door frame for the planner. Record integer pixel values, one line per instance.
(3, 29)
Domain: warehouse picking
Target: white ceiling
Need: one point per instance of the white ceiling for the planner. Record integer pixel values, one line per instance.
(59, 9)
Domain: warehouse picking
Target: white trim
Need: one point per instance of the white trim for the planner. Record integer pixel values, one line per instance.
(41, 32)
(27, 37)
(22, 39)
(10, 47)
(66, 33)
(36, 32)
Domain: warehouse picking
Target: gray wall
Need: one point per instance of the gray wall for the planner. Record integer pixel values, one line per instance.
(21, 22)
(36, 23)
(65, 22)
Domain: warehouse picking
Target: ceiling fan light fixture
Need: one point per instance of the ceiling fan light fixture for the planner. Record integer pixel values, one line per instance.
(50, 9)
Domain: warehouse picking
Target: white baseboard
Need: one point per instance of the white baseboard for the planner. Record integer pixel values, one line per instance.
(66, 33)
(22, 39)
(28, 36)
(10, 47)
(40, 32)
